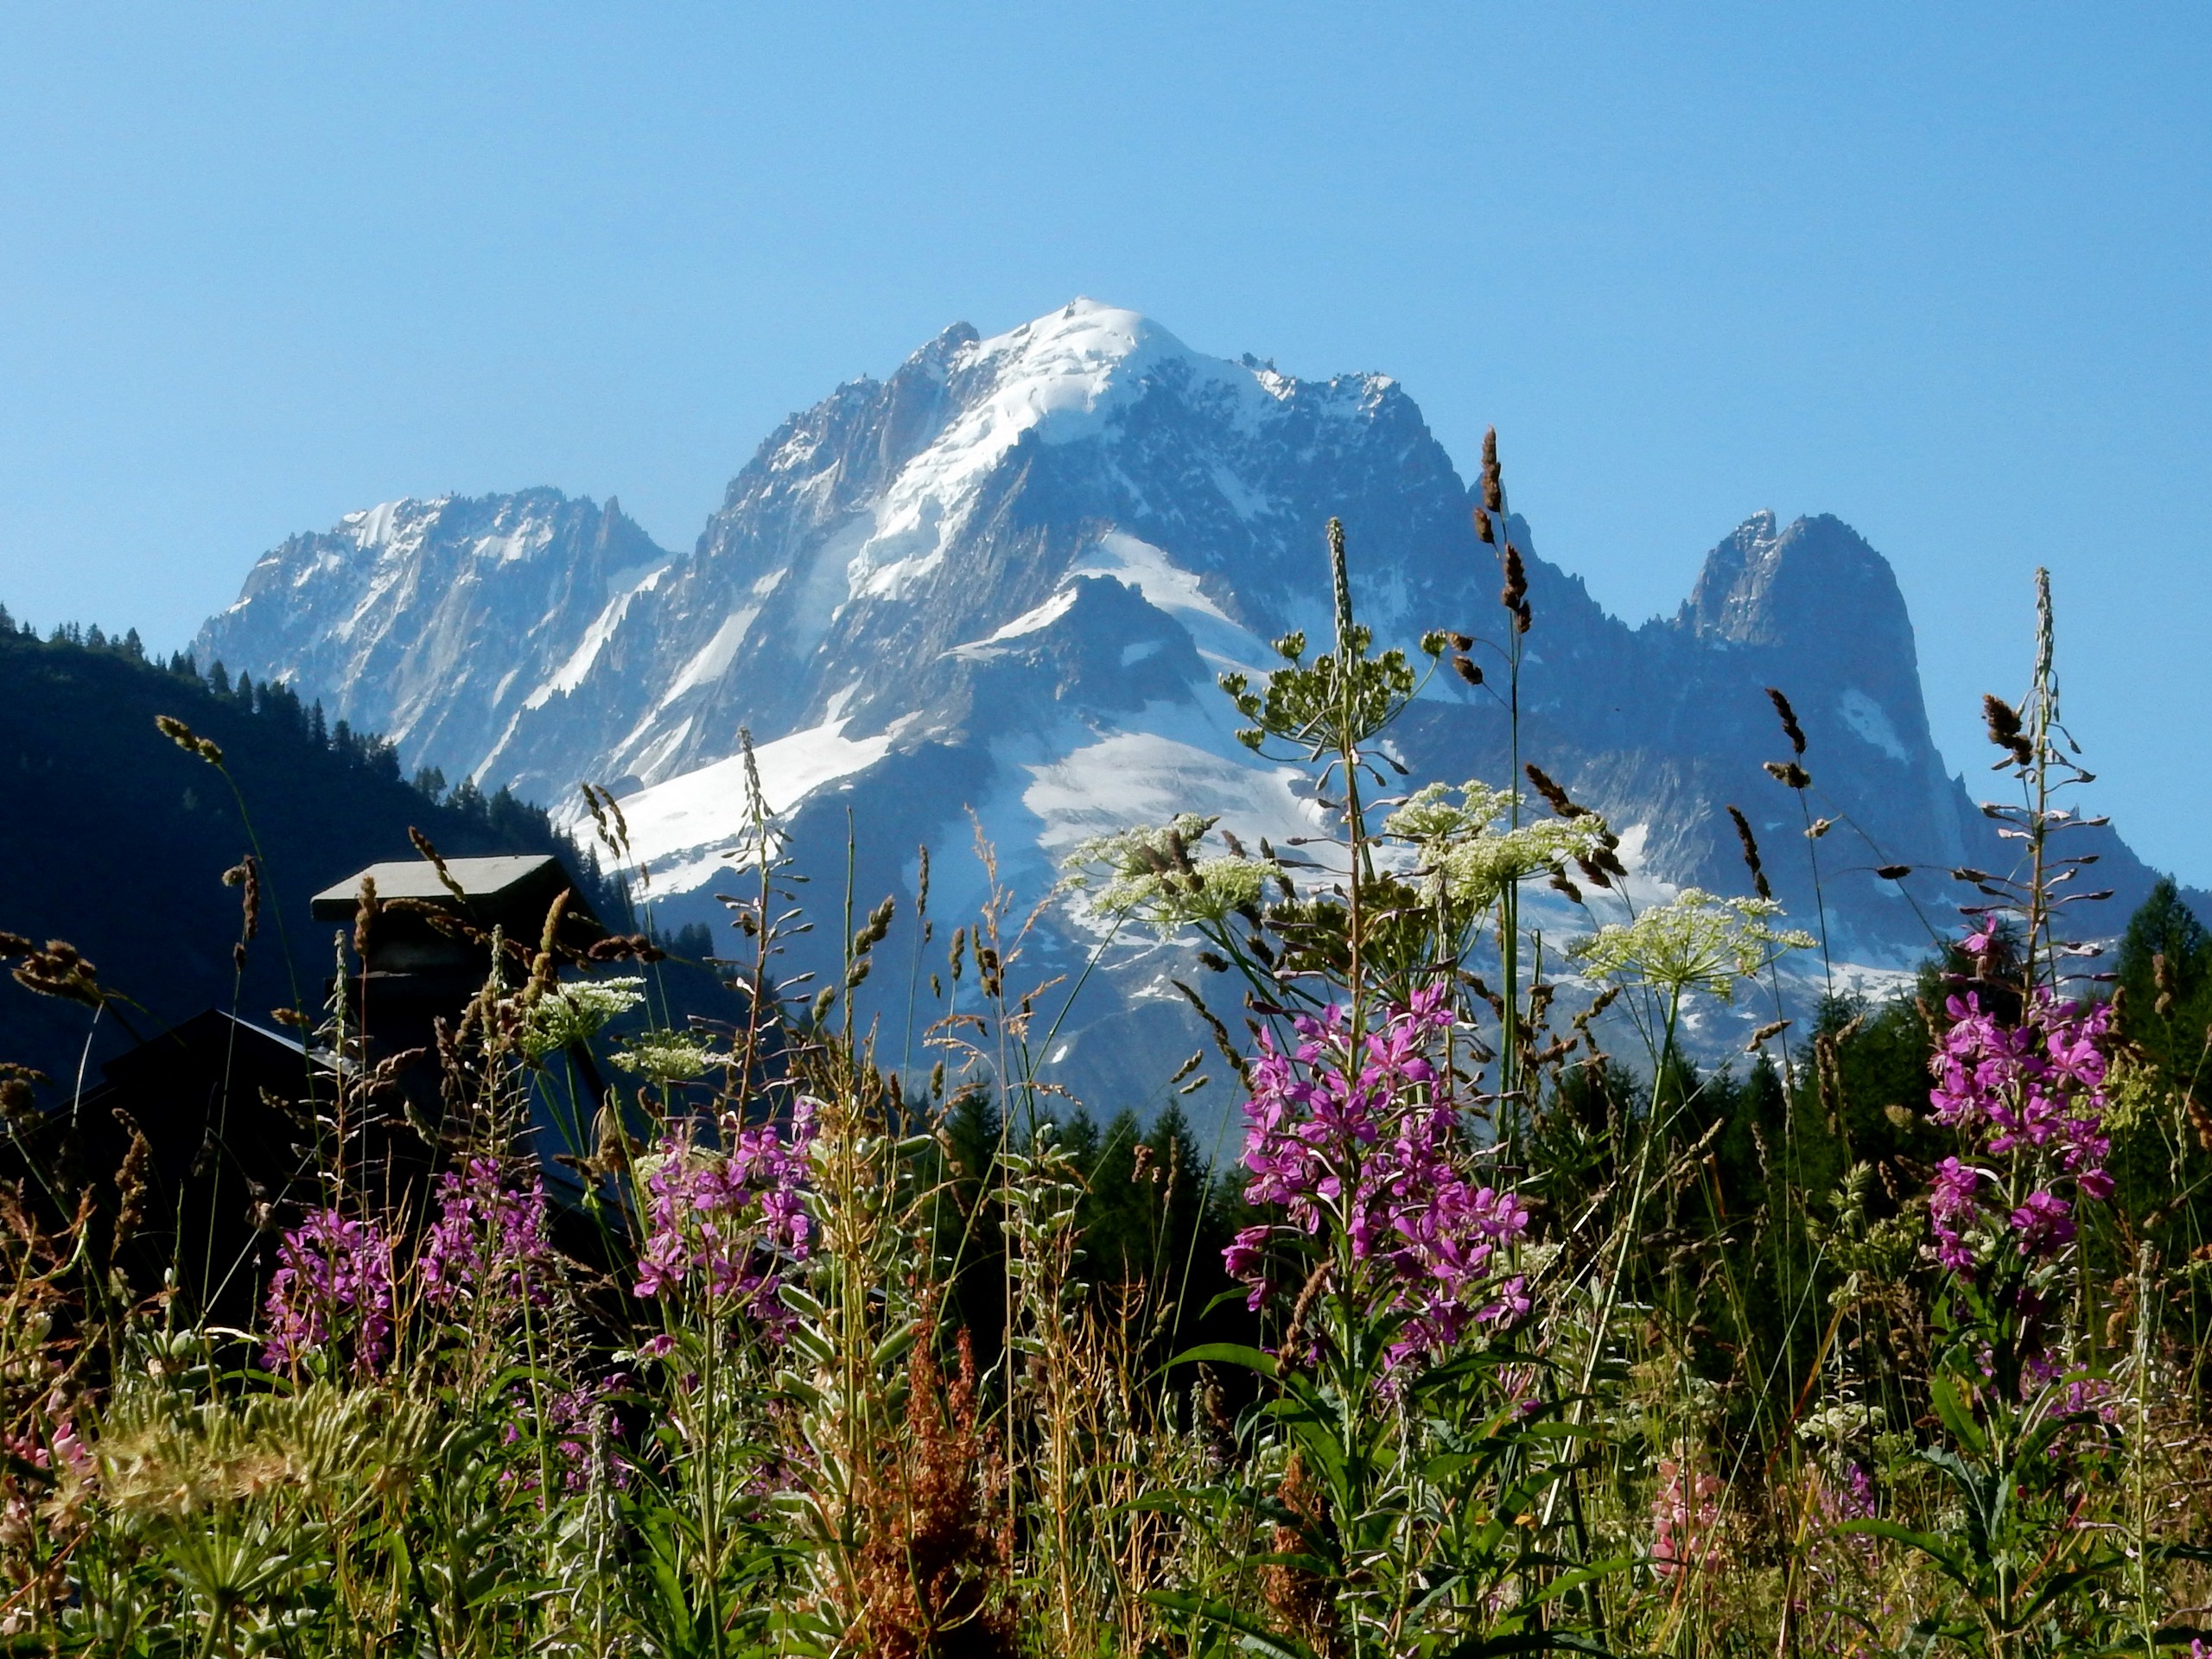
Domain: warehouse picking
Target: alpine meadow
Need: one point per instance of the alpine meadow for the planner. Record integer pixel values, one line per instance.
(1418, 1192)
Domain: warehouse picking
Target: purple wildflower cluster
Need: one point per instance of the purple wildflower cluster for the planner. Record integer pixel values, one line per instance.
(721, 1224)
(1686, 1531)
(491, 1244)
(1850, 1498)
(2034, 1097)
(1356, 1135)
(333, 1280)
(579, 1422)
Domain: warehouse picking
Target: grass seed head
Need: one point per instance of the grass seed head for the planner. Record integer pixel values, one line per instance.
(1790, 728)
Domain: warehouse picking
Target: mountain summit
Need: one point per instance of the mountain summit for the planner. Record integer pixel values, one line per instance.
(1001, 581)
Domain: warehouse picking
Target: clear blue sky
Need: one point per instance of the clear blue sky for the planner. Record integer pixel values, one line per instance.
(1940, 271)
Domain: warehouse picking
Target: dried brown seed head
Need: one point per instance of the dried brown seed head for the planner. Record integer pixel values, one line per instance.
(1555, 797)
(1750, 852)
(1790, 728)
(365, 917)
(1765, 1034)
(2003, 722)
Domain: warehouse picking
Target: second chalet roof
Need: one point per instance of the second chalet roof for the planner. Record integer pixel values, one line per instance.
(512, 884)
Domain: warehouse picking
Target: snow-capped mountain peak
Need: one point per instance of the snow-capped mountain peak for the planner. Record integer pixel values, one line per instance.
(1003, 579)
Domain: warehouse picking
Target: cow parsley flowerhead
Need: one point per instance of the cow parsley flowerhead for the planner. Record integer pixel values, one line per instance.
(1156, 875)
(1696, 942)
(667, 1056)
(1429, 814)
(1469, 860)
(576, 1012)
(1477, 871)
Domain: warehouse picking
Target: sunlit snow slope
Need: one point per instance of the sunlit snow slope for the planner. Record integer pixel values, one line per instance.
(994, 589)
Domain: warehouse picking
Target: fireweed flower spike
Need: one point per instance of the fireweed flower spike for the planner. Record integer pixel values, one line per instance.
(1355, 1138)
(2031, 1099)
(491, 1244)
(721, 1222)
(334, 1280)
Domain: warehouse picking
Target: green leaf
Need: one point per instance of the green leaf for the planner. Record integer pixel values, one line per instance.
(1258, 1638)
(1953, 1563)
(1228, 1353)
(1496, 1647)
(1951, 1407)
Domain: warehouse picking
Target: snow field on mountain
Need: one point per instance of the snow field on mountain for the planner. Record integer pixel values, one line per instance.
(679, 829)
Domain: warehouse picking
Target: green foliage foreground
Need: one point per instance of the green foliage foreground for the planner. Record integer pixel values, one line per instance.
(1492, 1343)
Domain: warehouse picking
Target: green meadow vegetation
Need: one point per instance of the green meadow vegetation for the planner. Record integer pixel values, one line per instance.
(1510, 1325)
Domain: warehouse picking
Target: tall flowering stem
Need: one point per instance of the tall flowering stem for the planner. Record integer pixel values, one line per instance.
(721, 1224)
(1407, 1518)
(721, 1206)
(2029, 1101)
(331, 1295)
(1355, 1138)
(2027, 1431)
(490, 1248)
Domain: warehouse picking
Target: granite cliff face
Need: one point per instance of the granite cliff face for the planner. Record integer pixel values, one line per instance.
(438, 622)
(1000, 583)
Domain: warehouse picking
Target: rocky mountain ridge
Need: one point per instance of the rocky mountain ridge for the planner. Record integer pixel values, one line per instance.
(999, 584)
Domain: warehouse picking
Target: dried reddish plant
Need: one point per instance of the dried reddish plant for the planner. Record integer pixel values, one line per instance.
(934, 1571)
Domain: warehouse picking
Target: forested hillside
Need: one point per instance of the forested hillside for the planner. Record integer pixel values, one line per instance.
(117, 839)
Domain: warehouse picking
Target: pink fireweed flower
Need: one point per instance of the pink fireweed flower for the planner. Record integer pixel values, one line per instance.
(2031, 1098)
(2045, 1222)
(720, 1224)
(491, 1245)
(332, 1280)
(1686, 1520)
(1951, 1201)
(1353, 1136)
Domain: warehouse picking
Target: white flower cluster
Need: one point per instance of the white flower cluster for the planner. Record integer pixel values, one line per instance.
(667, 1056)
(1471, 860)
(1430, 815)
(1844, 1423)
(1696, 941)
(1153, 873)
(577, 1012)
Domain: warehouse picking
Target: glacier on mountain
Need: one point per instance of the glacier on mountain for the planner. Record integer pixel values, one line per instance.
(995, 588)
